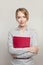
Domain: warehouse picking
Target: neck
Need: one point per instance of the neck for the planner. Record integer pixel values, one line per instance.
(22, 27)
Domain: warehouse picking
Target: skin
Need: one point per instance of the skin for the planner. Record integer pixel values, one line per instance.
(22, 21)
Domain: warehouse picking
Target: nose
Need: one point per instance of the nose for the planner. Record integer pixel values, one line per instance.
(21, 18)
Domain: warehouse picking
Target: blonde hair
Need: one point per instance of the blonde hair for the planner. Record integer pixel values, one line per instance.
(24, 11)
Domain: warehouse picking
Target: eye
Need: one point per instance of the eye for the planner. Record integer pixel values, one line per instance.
(24, 17)
(18, 17)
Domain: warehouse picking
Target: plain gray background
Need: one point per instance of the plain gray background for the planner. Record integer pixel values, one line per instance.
(8, 21)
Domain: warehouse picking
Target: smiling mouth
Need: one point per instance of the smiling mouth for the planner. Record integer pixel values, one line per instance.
(21, 22)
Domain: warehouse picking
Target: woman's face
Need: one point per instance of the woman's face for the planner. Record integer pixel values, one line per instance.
(21, 18)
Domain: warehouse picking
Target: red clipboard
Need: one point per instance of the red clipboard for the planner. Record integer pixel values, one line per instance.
(21, 42)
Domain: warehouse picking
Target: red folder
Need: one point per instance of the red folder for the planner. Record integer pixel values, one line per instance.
(21, 42)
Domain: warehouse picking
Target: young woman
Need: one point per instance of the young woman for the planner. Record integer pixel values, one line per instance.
(22, 54)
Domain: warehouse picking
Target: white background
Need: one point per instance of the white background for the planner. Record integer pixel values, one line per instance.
(7, 21)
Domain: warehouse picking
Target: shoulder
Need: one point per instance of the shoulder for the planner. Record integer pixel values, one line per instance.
(12, 30)
(32, 32)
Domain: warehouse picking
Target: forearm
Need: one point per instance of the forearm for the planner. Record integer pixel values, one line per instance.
(23, 52)
(24, 55)
(17, 51)
(29, 52)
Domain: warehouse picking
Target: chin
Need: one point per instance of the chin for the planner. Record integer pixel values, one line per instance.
(22, 25)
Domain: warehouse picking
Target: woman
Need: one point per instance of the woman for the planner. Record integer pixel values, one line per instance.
(22, 55)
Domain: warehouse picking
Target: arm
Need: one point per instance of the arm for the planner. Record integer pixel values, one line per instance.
(32, 51)
(34, 43)
(21, 52)
(14, 50)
